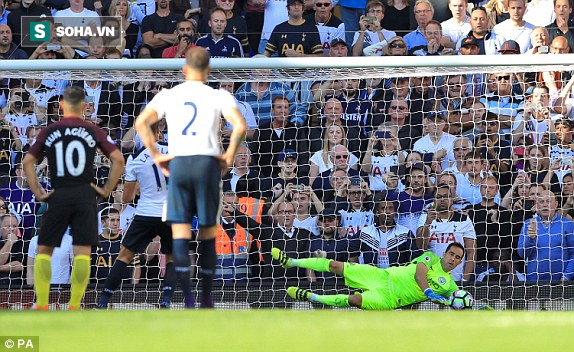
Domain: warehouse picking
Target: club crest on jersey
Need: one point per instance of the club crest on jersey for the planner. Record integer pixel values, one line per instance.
(441, 280)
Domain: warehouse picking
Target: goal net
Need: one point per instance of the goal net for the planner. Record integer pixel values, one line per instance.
(367, 160)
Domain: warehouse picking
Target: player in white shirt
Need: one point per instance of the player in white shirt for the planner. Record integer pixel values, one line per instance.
(442, 225)
(147, 223)
(62, 259)
(193, 113)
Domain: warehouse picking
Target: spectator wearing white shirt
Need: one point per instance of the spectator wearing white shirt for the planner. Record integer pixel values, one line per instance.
(443, 225)
(516, 28)
(371, 32)
(458, 26)
(540, 12)
(62, 259)
(488, 41)
(79, 16)
(245, 110)
(436, 145)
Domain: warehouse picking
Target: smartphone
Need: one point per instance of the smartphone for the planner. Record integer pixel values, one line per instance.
(528, 204)
(355, 181)
(371, 19)
(383, 134)
(300, 188)
(543, 49)
(53, 47)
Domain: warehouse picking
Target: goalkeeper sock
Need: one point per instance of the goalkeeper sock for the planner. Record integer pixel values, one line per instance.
(317, 264)
(169, 282)
(331, 300)
(42, 278)
(207, 261)
(79, 279)
(114, 279)
(181, 265)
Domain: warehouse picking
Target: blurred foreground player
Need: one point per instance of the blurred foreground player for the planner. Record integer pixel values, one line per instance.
(146, 224)
(426, 277)
(70, 145)
(194, 165)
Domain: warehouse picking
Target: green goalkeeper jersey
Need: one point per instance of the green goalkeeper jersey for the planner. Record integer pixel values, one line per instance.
(405, 288)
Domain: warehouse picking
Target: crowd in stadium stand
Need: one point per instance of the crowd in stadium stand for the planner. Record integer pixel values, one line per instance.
(372, 171)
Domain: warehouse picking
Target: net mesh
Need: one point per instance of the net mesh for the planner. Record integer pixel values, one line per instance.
(349, 133)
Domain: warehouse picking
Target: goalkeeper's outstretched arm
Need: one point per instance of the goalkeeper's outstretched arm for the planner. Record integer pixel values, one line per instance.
(421, 279)
(421, 276)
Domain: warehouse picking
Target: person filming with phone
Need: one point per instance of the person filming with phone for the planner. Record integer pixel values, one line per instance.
(371, 35)
(383, 152)
(21, 112)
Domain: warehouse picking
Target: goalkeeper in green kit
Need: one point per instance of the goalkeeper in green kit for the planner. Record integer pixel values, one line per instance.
(426, 277)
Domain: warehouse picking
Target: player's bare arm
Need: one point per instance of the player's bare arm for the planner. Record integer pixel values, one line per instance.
(143, 124)
(234, 117)
(28, 165)
(129, 194)
(115, 172)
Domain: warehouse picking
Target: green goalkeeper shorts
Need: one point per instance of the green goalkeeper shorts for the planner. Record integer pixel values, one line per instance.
(375, 284)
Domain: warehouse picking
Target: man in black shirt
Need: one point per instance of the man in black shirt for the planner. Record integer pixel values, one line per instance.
(70, 146)
(159, 29)
(494, 240)
(296, 36)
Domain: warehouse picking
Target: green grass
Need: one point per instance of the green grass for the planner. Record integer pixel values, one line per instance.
(286, 330)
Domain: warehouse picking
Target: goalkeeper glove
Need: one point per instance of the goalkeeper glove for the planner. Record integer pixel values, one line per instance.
(436, 298)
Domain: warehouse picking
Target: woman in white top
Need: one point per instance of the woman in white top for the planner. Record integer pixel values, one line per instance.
(320, 161)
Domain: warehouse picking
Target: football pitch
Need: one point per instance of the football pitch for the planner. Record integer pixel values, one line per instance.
(288, 330)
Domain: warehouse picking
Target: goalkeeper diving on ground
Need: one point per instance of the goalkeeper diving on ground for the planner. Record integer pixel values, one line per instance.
(426, 277)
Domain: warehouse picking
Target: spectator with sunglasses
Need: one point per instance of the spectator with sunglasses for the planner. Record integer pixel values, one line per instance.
(461, 147)
(501, 100)
(397, 47)
(330, 27)
(400, 117)
(341, 157)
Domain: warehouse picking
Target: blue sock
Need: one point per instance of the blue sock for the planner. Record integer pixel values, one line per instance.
(181, 265)
(169, 282)
(114, 279)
